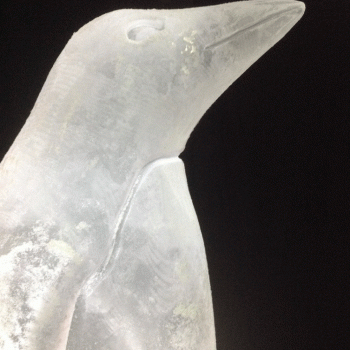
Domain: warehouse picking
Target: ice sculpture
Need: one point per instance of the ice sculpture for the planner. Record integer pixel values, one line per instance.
(100, 246)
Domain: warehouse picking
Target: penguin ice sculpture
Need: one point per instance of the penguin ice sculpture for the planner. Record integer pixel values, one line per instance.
(100, 247)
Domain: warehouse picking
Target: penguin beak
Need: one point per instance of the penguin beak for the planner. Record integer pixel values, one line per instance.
(272, 18)
(238, 33)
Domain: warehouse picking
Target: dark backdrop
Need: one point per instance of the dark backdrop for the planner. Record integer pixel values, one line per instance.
(267, 167)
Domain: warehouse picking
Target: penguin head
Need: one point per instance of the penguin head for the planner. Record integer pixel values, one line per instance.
(164, 68)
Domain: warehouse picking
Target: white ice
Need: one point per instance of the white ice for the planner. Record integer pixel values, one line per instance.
(100, 247)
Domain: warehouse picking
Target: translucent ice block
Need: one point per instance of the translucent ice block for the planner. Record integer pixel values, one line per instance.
(100, 247)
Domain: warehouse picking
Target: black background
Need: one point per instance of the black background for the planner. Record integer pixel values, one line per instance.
(267, 167)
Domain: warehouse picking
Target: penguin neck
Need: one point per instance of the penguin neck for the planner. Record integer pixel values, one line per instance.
(77, 119)
(72, 140)
(81, 140)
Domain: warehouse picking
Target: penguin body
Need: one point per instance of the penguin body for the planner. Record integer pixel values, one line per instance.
(85, 249)
(155, 290)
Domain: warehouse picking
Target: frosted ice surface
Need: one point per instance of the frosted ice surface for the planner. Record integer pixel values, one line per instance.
(100, 246)
(154, 291)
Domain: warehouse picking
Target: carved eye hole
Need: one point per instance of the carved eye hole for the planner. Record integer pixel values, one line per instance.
(144, 29)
